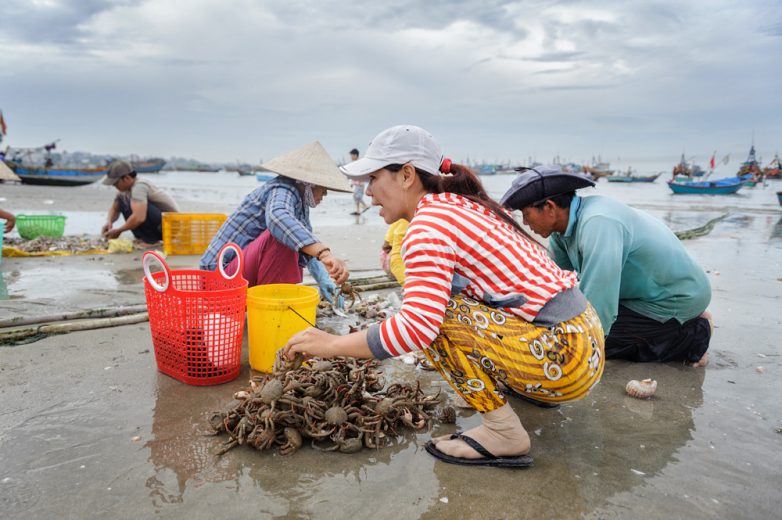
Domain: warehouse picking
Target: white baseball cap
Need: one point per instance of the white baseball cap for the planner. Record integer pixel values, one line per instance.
(398, 145)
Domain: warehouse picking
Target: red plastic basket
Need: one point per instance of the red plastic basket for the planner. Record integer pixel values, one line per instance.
(196, 319)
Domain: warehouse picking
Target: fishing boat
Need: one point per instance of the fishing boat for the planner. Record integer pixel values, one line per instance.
(244, 173)
(751, 165)
(485, 169)
(263, 177)
(779, 197)
(688, 170)
(148, 166)
(630, 176)
(57, 175)
(599, 170)
(772, 171)
(726, 186)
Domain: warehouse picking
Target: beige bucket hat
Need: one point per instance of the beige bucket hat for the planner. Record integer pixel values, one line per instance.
(6, 174)
(310, 163)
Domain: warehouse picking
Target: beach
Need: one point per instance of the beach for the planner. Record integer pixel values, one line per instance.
(90, 428)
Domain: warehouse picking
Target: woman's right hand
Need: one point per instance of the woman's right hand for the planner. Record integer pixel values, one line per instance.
(337, 268)
(9, 223)
(310, 342)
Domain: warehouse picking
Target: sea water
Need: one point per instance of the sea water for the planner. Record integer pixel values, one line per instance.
(197, 192)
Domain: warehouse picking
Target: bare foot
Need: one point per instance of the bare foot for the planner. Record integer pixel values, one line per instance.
(146, 246)
(702, 362)
(707, 315)
(501, 434)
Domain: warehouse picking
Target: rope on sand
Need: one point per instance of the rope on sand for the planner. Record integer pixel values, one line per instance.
(700, 230)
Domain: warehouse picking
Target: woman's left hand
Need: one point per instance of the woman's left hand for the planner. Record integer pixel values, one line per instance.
(311, 342)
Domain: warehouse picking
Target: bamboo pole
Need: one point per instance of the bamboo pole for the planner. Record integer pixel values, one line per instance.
(14, 335)
(387, 284)
(21, 328)
(19, 321)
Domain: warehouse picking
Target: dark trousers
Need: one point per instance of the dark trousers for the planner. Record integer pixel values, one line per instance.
(151, 230)
(638, 338)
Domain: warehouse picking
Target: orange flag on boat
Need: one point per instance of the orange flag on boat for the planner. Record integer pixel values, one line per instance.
(3, 127)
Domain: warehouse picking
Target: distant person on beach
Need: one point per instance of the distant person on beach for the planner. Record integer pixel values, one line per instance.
(139, 201)
(10, 220)
(358, 189)
(391, 251)
(486, 305)
(650, 294)
(272, 224)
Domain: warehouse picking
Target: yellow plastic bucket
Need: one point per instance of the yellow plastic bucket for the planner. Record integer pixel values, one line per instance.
(272, 319)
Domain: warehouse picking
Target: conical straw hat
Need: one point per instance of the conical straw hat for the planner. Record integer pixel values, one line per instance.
(6, 173)
(310, 163)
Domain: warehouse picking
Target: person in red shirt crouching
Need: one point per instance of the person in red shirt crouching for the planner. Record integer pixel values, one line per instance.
(484, 302)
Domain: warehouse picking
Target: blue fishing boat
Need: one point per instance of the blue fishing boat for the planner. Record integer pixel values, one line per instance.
(148, 166)
(485, 169)
(726, 186)
(57, 175)
(779, 197)
(262, 177)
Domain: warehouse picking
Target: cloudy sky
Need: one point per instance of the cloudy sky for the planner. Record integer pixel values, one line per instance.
(221, 80)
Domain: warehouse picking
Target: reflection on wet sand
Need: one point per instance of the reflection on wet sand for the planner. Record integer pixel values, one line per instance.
(586, 451)
(307, 484)
(3, 287)
(180, 449)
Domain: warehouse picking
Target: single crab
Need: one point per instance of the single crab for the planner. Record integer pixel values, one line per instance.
(344, 299)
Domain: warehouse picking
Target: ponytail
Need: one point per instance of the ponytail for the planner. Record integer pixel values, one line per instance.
(461, 180)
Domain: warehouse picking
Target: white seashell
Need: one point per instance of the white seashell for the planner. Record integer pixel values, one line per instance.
(242, 394)
(641, 389)
(760, 370)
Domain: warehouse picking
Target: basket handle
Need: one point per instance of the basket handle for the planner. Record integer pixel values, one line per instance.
(239, 260)
(145, 261)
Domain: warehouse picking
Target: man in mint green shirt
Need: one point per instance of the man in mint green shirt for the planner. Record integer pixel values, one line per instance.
(650, 294)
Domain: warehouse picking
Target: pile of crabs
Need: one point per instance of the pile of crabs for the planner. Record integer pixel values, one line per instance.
(341, 405)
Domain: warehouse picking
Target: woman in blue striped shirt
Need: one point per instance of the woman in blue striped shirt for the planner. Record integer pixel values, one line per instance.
(272, 224)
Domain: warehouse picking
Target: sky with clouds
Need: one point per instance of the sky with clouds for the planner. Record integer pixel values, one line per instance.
(221, 80)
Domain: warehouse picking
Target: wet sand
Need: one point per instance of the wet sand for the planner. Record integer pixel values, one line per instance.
(707, 445)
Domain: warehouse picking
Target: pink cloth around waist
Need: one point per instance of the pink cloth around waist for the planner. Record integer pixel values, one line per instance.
(267, 260)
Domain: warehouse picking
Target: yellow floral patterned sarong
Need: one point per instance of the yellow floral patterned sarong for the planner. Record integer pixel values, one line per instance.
(479, 346)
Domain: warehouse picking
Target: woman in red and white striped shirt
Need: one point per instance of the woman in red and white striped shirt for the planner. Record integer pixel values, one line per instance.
(483, 301)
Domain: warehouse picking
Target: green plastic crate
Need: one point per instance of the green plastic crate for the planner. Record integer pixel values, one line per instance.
(34, 226)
